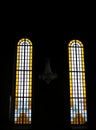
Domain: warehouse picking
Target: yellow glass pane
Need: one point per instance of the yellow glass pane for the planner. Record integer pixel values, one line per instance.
(76, 116)
(21, 97)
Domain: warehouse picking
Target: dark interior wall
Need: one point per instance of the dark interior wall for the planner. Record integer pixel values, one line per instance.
(50, 102)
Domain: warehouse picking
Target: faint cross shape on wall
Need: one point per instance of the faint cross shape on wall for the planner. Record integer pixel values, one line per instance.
(48, 75)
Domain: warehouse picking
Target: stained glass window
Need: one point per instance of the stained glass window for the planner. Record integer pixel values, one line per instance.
(23, 85)
(78, 105)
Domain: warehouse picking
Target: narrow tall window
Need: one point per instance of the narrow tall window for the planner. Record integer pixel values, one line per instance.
(23, 85)
(78, 106)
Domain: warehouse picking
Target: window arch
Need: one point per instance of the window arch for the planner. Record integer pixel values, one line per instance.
(78, 106)
(23, 84)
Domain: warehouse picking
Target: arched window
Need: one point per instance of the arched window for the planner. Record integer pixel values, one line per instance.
(78, 106)
(23, 85)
